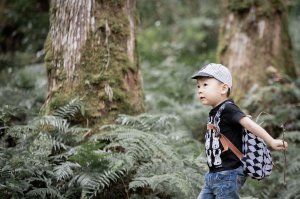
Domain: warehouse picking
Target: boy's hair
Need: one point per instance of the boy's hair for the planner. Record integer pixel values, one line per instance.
(228, 92)
(217, 71)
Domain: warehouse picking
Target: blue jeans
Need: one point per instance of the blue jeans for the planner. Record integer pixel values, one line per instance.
(223, 184)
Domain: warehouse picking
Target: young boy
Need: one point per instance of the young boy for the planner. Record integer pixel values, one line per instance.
(225, 177)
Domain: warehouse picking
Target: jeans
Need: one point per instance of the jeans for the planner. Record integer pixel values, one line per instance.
(223, 184)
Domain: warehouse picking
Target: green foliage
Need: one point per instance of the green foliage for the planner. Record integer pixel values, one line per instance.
(174, 42)
(24, 25)
(277, 105)
(70, 110)
(33, 161)
(24, 88)
(280, 102)
(153, 155)
(266, 8)
(48, 158)
(294, 28)
(171, 50)
(145, 148)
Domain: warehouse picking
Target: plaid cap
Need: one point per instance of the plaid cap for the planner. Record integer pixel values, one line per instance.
(217, 71)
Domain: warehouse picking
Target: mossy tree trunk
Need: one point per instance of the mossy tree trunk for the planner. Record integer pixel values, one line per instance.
(91, 53)
(254, 42)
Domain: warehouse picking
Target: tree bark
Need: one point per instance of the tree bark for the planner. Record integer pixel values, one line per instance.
(91, 53)
(254, 43)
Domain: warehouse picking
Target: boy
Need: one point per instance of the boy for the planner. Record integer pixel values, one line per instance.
(225, 177)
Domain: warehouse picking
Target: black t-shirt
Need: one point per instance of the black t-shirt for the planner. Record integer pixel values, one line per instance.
(229, 125)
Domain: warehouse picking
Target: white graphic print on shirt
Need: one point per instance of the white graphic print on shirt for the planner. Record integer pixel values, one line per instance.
(212, 148)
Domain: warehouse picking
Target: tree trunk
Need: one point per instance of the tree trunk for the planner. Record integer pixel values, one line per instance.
(254, 42)
(91, 53)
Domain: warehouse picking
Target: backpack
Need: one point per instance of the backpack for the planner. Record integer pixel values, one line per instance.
(256, 157)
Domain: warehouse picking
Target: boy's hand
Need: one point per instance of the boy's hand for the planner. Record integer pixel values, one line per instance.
(277, 144)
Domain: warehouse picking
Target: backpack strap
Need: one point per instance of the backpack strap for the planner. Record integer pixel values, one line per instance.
(227, 144)
(223, 139)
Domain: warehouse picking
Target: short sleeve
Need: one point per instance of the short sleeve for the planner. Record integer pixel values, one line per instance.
(233, 113)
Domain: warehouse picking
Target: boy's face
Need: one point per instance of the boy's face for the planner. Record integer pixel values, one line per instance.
(211, 91)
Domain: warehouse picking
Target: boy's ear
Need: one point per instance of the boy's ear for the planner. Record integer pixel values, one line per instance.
(224, 89)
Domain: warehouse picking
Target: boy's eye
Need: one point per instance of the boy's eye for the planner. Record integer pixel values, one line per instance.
(205, 84)
(198, 86)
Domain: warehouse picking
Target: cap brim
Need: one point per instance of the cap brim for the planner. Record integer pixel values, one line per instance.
(201, 74)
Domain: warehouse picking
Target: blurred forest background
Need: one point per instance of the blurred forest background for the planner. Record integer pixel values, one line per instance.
(154, 154)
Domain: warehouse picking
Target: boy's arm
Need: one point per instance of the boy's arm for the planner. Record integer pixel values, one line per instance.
(257, 130)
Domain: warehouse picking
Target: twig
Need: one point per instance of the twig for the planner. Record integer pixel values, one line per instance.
(284, 154)
(258, 117)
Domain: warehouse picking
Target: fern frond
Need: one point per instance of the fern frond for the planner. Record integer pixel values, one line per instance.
(41, 146)
(64, 171)
(141, 143)
(60, 131)
(35, 166)
(293, 136)
(139, 183)
(68, 111)
(21, 134)
(294, 167)
(57, 144)
(53, 122)
(93, 183)
(148, 122)
(159, 182)
(186, 179)
(292, 191)
(77, 130)
(49, 192)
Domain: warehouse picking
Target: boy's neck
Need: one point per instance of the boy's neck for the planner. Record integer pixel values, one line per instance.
(221, 101)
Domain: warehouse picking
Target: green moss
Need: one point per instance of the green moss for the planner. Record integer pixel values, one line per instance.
(59, 99)
(101, 23)
(264, 8)
(240, 5)
(112, 3)
(101, 64)
(119, 94)
(120, 28)
(268, 8)
(96, 78)
(49, 54)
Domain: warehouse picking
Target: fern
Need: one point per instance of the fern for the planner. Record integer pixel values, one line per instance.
(51, 161)
(36, 166)
(48, 192)
(178, 180)
(70, 110)
(280, 101)
(293, 136)
(141, 146)
(53, 123)
(149, 122)
(64, 170)
(93, 183)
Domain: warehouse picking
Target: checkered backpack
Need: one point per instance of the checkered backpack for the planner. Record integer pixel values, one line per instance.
(256, 157)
